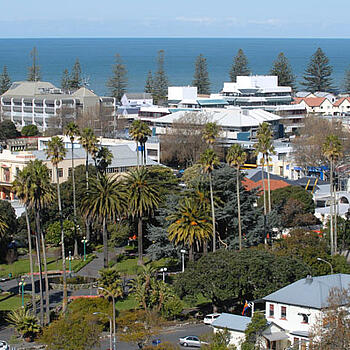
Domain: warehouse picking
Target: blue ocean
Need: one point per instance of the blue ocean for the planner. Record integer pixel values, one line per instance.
(96, 56)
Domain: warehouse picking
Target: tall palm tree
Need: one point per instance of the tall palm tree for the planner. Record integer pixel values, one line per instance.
(40, 194)
(265, 146)
(190, 224)
(88, 140)
(333, 150)
(21, 187)
(3, 225)
(105, 200)
(236, 157)
(140, 131)
(56, 152)
(210, 133)
(208, 161)
(143, 199)
(72, 131)
(104, 158)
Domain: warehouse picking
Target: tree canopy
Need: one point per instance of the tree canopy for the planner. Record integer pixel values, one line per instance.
(282, 68)
(201, 76)
(239, 66)
(5, 81)
(118, 82)
(30, 130)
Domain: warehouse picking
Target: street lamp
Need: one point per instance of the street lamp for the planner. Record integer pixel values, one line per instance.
(183, 252)
(163, 270)
(84, 241)
(327, 262)
(110, 326)
(111, 295)
(21, 285)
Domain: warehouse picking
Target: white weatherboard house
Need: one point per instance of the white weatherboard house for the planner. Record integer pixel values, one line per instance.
(291, 312)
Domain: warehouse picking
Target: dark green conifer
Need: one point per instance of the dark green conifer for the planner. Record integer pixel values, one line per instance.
(283, 70)
(239, 66)
(76, 81)
(201, 76)
(118, 83)
(160, 82)
(65, 80)
(317, 76)
(5, 81)
(149, 83)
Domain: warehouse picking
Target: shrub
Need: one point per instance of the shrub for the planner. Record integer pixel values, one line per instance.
(24, 322)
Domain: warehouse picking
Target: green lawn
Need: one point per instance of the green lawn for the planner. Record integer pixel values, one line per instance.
(21, 267)
(127, 304)
(11, 302)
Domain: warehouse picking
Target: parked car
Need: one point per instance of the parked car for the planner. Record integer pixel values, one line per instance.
(209, 319)
(192, 341)
(3, 345)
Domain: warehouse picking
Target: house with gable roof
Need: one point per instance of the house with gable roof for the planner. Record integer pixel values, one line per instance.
(291, 312)
(342, 106)
(319, 105)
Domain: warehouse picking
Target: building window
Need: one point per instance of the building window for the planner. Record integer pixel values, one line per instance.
(60, 172)
(305, 318)
(283, 312)
(70, 172)
(272, 310)
(50, 173)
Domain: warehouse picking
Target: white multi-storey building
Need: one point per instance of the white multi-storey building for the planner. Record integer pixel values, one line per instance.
(37, 103)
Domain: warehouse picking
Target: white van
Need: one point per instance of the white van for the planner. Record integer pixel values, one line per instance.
(209, 319)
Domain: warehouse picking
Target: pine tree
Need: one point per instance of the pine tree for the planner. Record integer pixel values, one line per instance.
(318, 73)
(65, 82)
(119, 81)
(201, 76)
(347, 81)
(5, 81)
(283, 70)
(239, 66)
(75, 81)
(34, 69)
(149, 83)
(160, 82)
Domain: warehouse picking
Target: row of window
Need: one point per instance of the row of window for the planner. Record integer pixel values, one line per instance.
(283, 314)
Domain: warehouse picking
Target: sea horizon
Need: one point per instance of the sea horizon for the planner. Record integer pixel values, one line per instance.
(139, 54)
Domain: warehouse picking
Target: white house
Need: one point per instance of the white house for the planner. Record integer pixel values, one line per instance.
(291, 313)
(318, 105)
(342, 106)
(136, 99)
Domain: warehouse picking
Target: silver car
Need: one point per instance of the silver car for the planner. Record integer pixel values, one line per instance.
(192, 341)
(3, 345)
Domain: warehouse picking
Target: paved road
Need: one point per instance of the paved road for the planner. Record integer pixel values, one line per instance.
(168, 335)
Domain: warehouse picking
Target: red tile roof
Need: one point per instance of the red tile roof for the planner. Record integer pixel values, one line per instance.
(314, 101)
(274, 184)
(340, 101)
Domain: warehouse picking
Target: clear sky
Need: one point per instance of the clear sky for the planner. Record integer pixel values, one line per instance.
(175, 18)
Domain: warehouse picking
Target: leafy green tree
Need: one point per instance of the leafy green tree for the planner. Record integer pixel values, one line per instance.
(75, 81)
(232, 273)
(118, 83)
(56, 152)
(105, 200)
(72, 332)
(149, 83)
(34, 70)
(5, 81)
(30, 130)
(317, 76)
(253, 332)
(333, 150)
(201, 76)
(172, 307)
(72, 131)
(190, 225)
(160, 81)
(3, 226)
(237, 157)
(140, 131)
(282, 68)
(8, 130)
(53, 234)
(220, 340)
(143, 199)
(239, 66)
(209, 160)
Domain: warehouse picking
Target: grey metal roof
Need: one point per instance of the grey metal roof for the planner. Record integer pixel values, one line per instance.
(123, 156)
(304, 334)
(138, 96)
(310, 292)
(233, 322)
